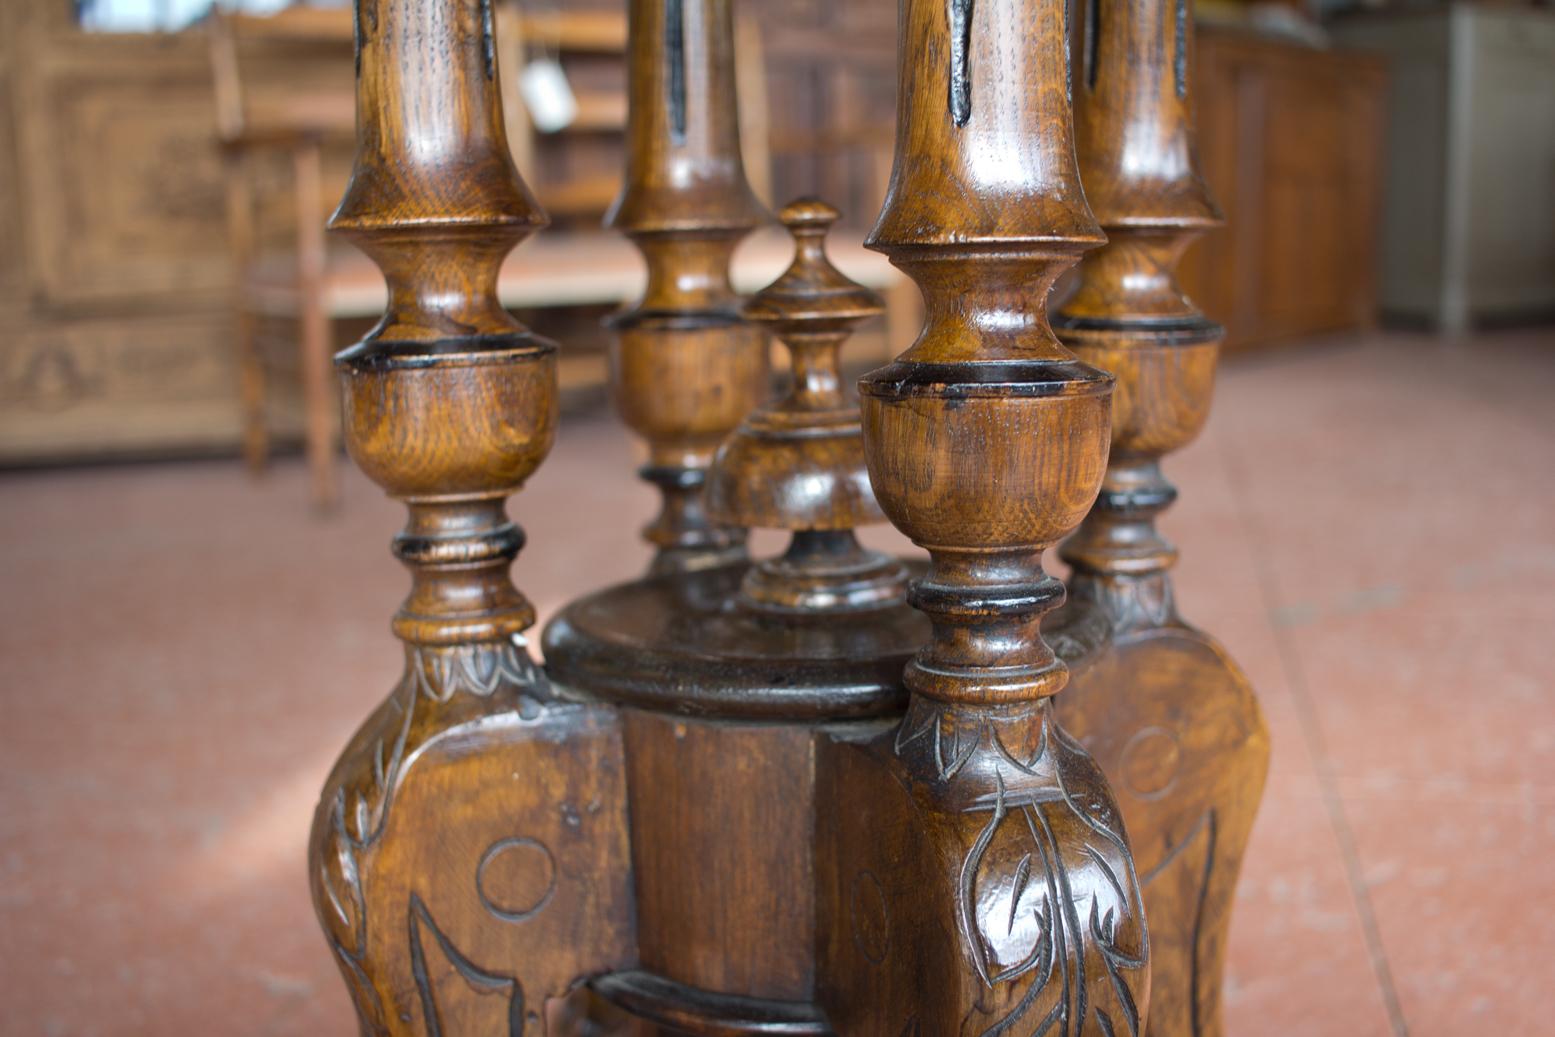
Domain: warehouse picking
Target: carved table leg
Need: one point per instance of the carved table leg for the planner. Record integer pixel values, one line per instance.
(973, 871)
(1167, 714)
(684, 367)
(469, 854)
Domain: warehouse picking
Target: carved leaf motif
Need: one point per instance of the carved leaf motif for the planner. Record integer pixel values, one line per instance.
(475, 979)
(1132, 602)
(1006, 915)
(499, 676)
(1048, 908)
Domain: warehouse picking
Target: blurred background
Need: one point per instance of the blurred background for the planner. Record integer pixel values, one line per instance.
(198, 583)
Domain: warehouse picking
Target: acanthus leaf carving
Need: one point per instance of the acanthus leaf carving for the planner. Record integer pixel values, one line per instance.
(1132, 602)
(1047, 907)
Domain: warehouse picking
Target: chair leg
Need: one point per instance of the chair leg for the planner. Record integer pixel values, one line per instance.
(251, 390)
(318, 384)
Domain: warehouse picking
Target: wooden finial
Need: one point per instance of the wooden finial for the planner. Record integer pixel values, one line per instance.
(1169, 716)
(685, 367)
(798, 463)
(1134, 122)
(986, 443)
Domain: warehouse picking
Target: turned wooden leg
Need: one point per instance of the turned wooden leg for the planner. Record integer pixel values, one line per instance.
(318, 380)
(469, 852)
(320, 401)
(685, 368)
(251, 390)
(1171, 719)
(975, 876)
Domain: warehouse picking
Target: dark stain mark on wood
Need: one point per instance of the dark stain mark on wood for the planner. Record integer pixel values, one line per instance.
(1180, 55)
(488, 40)
(675, 51)
(960, 61)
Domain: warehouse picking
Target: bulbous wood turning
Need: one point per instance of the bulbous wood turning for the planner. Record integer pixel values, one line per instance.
(798, 463)
(684, 367)
(455, 896)
(986, 443)
(1166, 713)
(1134, 122)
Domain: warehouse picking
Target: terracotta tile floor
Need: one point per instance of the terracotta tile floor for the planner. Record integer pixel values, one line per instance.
(1368, 524)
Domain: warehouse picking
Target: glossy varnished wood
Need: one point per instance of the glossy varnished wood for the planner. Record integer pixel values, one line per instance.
(685, 368)
(469, 852)
(1167, 714)
(798, 463)
(795, 796)
(722, 808)
(992, 888)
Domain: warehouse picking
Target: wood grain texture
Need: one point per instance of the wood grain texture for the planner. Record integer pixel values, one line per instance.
(1171, 720)
(992, 889)
(798, 463)
(724, 891)
(469, 856)
(685, 368)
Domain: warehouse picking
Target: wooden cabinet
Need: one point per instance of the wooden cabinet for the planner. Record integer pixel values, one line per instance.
(113, 262)
(1290, 139)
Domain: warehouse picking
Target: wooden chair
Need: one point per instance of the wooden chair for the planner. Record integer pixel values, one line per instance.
(827, 792)
(289, 281)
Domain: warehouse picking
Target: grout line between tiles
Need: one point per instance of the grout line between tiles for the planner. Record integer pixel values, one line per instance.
(1312, 734)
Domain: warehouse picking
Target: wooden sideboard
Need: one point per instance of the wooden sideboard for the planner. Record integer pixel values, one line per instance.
(113, 267)
(1291, 141)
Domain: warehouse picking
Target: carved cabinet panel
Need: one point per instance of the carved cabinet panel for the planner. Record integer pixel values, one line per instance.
(113, 269)
(125, 186)
(137, 384)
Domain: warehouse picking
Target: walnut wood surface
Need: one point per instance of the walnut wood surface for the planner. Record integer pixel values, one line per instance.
(752, 837)
(992, 888)
(685, 368)
(798, 463)
(469, 857)
(1167, 714)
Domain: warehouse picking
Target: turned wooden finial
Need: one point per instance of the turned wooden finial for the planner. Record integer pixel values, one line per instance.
(986, 443)
(685, 367)
(798, 463)
(1134, 120)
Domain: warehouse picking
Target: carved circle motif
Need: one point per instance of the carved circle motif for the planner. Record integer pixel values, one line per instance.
(1149, 762)
(516, 878)
(871, 925)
